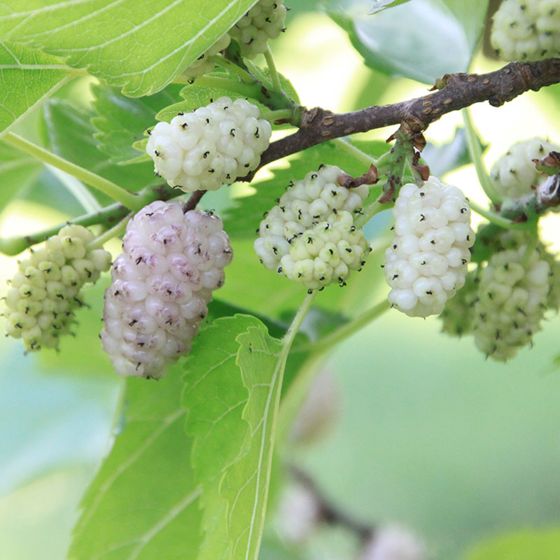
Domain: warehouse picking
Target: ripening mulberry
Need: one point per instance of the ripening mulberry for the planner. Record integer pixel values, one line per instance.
(262, 22)
(527, 29)
(515, 174)
(310, 236)
(202, 64)
(512, 299)
(162, 283)
(45, 292)
(211, 146)
(427, 262)
(458, 313)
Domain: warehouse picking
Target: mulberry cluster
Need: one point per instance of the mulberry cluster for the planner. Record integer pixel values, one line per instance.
(527, 29)
(263, 22)
(211, 146)
(427, 262)
(512, 298)
(310, 236)
(202, 64)
(515, 174)
(172, 262)
(45, 292)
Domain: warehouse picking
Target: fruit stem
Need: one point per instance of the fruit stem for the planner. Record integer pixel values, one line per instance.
(14, 245)
(496, 219)
(279, 114)
(295, 395)
(373, 209)
(475, 152)
(116, 231)
(114, 191)
(275, 76)
(352, 150)
(326, 343)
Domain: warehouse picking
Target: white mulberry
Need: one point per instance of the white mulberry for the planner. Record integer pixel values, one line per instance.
(310, 236)
(527, 29)
(264, 21)
(515, 174)
(172, 262)
(211, 146)
(202, 64)
(512, 299)
(427, 262)
(45, 292)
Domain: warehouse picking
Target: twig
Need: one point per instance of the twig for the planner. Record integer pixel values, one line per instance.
(456, 91)
(328, 512)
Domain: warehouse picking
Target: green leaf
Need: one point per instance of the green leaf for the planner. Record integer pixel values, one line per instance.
(232, 390)
(17, 171)
(140, 46)
(26, 77)
(523, 545)
(246, 484)
(214, 396)
(144, 502)
(69, 133)
(120, 121)
(422, 39)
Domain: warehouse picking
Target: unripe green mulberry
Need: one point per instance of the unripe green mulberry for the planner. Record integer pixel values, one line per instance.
(262, 22)
(45, 292)
(310, 236)
(457, 316)
(515, 174)
(527, 29)
(512, 299)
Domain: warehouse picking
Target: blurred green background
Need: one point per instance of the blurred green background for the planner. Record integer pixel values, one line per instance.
(431, 435)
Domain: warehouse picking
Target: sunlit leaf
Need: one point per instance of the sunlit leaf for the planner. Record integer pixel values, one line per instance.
(140, 46)
(26, 77)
